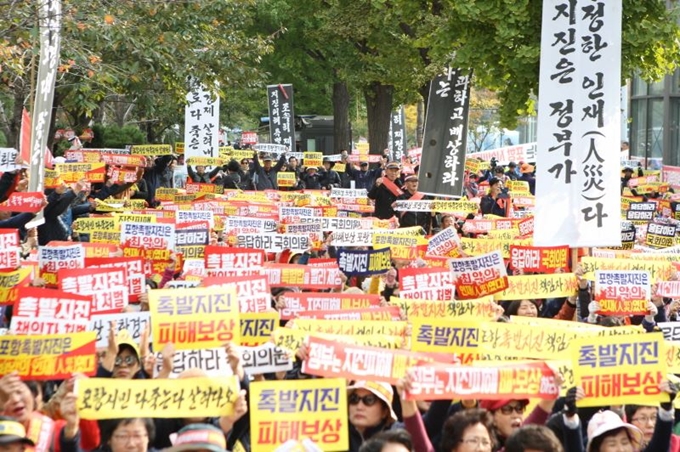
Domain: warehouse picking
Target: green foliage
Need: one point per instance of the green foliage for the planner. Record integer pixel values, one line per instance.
(116, 137)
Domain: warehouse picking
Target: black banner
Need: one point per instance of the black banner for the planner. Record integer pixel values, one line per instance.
(397, 138)
(442, 164)
(281, 115)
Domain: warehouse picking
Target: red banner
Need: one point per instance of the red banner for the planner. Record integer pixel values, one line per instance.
(24, 202)
(246, 286)
(335, 359)
(10, 256)
(219, 257)
(54, 357)
(302, 276)
(298, 302)
(426, 283)
(107, 286)
(512, 381)
(668, 289)
(136, 275)
(539, 259)
(83, 156)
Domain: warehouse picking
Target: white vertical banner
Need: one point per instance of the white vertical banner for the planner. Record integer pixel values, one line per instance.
(201, 122)
(50, 40)
(578, 196)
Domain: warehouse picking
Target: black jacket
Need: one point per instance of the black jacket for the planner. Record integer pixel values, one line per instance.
(488, 205)
(266, 180)
(383, 200)
(54, 228)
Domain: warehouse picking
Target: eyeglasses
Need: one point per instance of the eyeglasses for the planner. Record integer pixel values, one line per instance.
(368, 399)
(644, 419)
(125, 437)
(476, 442)
(508, 409)
(129, 361)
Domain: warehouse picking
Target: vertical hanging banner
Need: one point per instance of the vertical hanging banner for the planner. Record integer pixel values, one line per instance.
(281, 115)
(397, 137)
(577, 195)
(442, 164)
(201, 122)
(50, 28)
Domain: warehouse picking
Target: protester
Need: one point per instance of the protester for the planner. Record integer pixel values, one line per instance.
(391, 441)
(495, 202)
(383, 196)
(608, 433)
(415, 218)
(363, 177)
(264, 176)
(527, 171)
(329, 178)
(533, 438)
(13, 435)
(467, 431)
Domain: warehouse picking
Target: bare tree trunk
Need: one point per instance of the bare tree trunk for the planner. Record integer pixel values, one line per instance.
(341, 132)
(378, 110)
(424, 91)
(15, 122)
(420, 124)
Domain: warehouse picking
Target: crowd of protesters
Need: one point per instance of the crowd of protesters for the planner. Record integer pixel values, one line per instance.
(42, 416)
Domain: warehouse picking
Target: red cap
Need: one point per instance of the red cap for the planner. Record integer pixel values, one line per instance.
(493, 405)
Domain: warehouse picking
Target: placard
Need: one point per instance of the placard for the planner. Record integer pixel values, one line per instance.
(46, 311)
(298, 302)
(479, 276)
(194, 318)
(364, 263)
(183, 398)
(266, 358)
(622, 292)
(508, 381)
(133, 322)
(620, 370)
(52, 357)
(284, 410)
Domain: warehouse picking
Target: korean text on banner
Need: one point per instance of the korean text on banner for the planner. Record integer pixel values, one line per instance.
(364, 263)
(622, 292)
(284, 410)
(335, 359)
(53, 357)
(201, 122)
(620, 370)
(265, 358)
(512, 381)
(577, 194)
(194, 318)
(178, 398)
(480, 275)
(442, 164)
(281, 115)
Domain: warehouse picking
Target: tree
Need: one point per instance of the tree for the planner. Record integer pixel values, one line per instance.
(141, 52)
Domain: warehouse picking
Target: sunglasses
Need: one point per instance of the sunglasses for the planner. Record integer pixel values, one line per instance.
(368, 399)
(128, 361)
(508, 409)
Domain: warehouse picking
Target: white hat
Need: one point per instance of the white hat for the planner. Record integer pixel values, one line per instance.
(59, 160)
(606, 421)
(381, 390)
